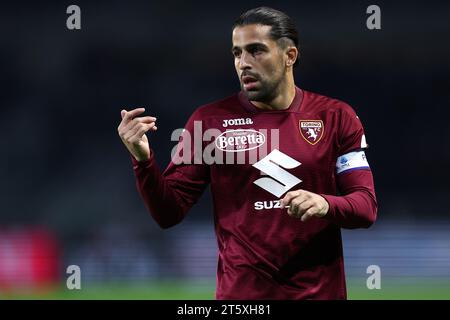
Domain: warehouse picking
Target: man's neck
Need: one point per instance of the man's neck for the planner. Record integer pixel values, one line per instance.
(281, 102)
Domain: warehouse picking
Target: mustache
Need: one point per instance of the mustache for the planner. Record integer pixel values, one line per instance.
(249, 73)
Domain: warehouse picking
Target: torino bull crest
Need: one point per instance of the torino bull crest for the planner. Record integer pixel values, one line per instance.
(311, 130)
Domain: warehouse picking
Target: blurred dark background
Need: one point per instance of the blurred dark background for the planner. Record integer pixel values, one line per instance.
(62, 163)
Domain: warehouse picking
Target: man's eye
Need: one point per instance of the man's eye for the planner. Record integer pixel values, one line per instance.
(256, 51)
(236, 54)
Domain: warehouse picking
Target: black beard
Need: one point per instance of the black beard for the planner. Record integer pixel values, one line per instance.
(266, 94)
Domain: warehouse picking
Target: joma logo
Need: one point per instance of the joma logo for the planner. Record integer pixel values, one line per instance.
(236, 122)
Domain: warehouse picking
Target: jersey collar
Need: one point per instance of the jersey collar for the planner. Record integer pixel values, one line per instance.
(293, 107)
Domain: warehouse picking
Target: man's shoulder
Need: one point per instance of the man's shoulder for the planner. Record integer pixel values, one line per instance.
(320, 102)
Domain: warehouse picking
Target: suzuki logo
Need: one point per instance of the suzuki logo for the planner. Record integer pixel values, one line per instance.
(280, 180)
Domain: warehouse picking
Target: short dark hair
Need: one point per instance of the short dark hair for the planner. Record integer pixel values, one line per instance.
(282, 25)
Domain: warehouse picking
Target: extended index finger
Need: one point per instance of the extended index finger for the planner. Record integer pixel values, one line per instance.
(131, 114)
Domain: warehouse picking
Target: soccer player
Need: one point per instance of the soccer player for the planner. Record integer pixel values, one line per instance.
(277, 217)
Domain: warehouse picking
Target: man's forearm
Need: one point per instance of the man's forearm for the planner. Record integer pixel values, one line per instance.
(357, 207)
(159, 198)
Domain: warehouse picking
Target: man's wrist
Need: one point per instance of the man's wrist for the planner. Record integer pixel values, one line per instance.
(329, 200)
(143, 162)
(326, 208)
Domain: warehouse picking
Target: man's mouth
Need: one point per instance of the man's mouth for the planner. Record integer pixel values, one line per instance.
(249, 82)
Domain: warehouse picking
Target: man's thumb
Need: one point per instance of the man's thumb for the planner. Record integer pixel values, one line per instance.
(123, 113)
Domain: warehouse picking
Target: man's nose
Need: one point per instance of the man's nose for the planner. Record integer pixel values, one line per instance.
(244, 62)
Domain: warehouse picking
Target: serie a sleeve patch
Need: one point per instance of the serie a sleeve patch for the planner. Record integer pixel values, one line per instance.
(352, 161)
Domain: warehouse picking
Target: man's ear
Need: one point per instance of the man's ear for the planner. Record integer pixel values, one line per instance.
(292, 55)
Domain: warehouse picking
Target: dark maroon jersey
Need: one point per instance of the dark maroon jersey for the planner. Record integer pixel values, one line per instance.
(250, 158)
